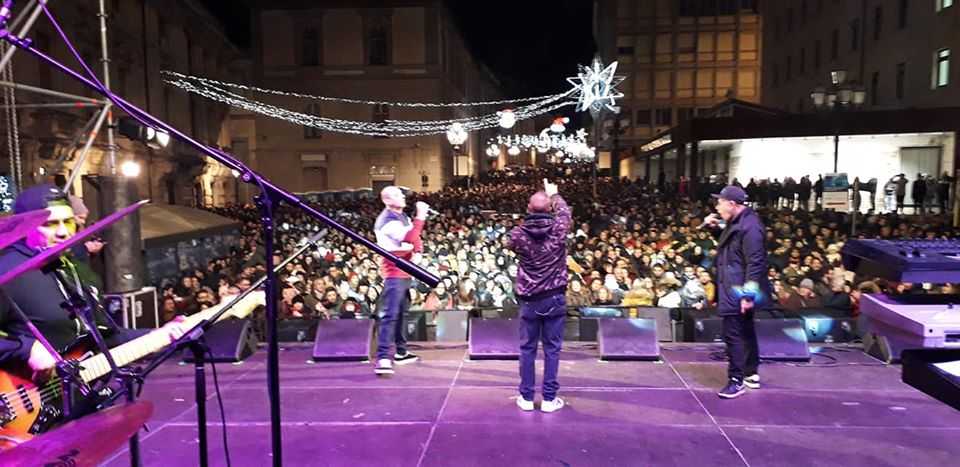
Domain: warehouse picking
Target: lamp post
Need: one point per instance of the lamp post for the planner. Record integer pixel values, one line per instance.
(840, 96)
(456, 135)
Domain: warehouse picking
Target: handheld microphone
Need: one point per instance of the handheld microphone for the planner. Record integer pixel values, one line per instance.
(433, 212)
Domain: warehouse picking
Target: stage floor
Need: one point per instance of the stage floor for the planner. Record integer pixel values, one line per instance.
(844, 408)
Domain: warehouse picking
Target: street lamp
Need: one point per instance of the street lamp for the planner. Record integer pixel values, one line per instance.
(839, 96)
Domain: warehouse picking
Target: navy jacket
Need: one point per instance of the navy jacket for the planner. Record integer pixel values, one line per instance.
(541, 247)
(39, 295)
(741, 257)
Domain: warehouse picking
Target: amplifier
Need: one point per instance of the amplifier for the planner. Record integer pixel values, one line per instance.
(134, 310)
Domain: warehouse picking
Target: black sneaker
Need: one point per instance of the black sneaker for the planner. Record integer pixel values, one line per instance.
(752, 381)
(408, 357)
(733, 389)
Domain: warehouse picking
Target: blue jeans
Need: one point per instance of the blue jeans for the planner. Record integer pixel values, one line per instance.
(396, 302)
(542, 321)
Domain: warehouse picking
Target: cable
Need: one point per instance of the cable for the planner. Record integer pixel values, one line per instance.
(223, 417)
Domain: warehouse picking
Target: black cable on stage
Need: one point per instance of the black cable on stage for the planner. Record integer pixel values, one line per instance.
(223, 417)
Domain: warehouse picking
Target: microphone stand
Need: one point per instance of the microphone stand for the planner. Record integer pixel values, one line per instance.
(270, 196)
(193, 339)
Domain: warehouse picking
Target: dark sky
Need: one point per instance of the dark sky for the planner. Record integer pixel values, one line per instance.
(531, 45)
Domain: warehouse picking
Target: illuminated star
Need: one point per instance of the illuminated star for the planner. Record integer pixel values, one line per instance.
(596, 87)
(581, 134)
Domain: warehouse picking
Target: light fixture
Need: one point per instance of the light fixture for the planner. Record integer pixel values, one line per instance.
(456, 134)
(130, 169)
(513, 151)
(859, 95)
(819, 96)
(838, 77)
(559, 124)
(507, 118)
(235, 172)
(131, 128)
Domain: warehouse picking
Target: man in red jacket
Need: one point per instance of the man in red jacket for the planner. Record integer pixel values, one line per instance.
(398, 235)
(541, 247)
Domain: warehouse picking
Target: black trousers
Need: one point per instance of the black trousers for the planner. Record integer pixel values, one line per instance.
(743, 354)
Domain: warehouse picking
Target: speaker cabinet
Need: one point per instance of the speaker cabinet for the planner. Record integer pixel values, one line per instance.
(628, 339)
(229, 341)
(782, 339)
(343, 340)
(494, 339)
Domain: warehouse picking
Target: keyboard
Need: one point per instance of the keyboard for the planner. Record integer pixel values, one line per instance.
(935, 261)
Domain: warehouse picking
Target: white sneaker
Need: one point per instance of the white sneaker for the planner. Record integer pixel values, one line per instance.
(752, 381)
(552, 406)
(524, 404)
(384, 367)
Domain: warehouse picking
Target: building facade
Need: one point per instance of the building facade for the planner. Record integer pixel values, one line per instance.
(680, 58)
(401, 51)
(902, 52)
(145, 37)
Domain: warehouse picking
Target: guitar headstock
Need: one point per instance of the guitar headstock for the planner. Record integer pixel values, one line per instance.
(246, 306)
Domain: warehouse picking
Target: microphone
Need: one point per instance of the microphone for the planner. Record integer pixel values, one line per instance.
(433, 212)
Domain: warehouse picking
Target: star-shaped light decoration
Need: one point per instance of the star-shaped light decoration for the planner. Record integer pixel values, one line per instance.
(596, 87)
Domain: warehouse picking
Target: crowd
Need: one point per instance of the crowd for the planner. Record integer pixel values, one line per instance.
(638, 243)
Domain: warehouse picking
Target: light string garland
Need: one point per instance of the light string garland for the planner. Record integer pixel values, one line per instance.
(593, 88)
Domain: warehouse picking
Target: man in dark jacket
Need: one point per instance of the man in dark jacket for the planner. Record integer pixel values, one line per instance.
(541, 248)
(741, 285)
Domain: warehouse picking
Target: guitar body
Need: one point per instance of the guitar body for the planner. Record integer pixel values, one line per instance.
(27, 409)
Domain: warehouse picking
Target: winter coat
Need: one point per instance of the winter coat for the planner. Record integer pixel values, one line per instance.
(541, 247)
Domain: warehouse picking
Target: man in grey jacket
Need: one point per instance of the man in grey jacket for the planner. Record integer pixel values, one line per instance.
(541, 248)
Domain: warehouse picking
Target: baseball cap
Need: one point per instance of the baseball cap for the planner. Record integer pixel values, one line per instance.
(38, 197)
(732, 193)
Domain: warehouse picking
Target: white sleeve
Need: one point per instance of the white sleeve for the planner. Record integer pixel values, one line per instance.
(392, 233)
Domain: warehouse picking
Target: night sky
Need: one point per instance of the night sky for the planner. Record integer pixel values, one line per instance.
(530, 45)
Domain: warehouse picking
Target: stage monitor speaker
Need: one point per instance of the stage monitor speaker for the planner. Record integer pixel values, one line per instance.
(704, 329)
(229, 341)
(628, 339)
(936, 372)
(588, 329)
(829, 329)
(782, 339)
(452, 326)
(494, 339)
(343, 340)
(415, 326)
(661, 316)
(883, 348)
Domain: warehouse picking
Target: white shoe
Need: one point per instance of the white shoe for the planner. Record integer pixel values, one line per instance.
(752, 381)
(524, 404)
(384, 367)
(552, 406)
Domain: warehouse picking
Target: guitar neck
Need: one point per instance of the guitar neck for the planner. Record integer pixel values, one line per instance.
(129, 352)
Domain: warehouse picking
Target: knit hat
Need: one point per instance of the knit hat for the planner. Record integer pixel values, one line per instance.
(38, 197)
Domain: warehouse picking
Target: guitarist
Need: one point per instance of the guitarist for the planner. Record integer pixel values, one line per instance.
(40, 293)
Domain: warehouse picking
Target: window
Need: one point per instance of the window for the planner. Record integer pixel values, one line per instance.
(776, 28)
(803, 12)
(776, 75)
(903, 13)
(875, 88)
(625, 50)
(789, 20)
(877, 22)
(643, 117)
(378, 40)
(901, 77)
(942, 4)
(789, 71)
(819, 7)
(310, 132)
(817, 45)
(684, 114)
(803, 60)
(664, 117)
(855, 34)
(835, 44)
(942, 68)
(310, 47)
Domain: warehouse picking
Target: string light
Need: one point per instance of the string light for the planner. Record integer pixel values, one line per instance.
(594, 89)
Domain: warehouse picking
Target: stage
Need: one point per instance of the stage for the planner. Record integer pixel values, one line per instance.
(844, 408)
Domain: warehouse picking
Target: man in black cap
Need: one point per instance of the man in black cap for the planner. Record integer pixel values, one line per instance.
(39, 293)
(742, 285)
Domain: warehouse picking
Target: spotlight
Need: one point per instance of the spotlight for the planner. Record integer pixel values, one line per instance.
(133, 130)
(130, 169)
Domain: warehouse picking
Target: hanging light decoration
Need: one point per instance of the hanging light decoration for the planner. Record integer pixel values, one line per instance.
(514, 150)
(559, 124)
(507, 118)
(456, 134)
